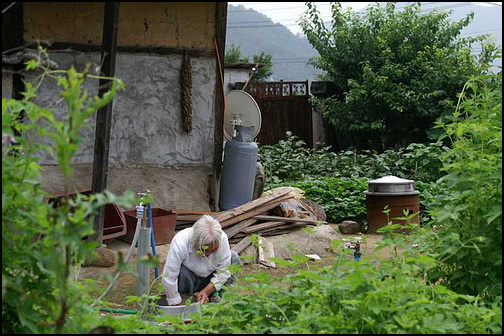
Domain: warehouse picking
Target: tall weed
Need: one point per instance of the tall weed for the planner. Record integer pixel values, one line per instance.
(347, 297)
(42, 245)
(468, 216)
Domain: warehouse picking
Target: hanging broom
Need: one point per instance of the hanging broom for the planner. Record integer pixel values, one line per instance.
(186, 93)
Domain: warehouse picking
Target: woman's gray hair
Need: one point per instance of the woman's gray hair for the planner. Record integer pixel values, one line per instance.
(206, 231)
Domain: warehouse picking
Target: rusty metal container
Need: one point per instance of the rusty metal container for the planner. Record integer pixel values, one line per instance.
(395, 194)
(163, 225)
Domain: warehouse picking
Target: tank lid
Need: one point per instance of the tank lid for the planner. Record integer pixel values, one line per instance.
(391, 185)
(390, 179)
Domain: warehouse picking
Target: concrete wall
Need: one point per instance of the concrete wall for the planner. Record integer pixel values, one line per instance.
(148, 147)
(169, 24)
(231, 76)
(172, 187)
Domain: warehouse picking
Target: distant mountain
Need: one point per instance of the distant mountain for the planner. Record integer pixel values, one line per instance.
(291, 52)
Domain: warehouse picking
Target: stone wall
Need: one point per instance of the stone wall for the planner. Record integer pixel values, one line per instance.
(148, 147)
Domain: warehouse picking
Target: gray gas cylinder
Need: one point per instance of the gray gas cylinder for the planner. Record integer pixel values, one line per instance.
(238, 169)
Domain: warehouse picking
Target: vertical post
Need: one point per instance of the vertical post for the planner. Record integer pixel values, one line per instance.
(220, 36)
(104, 115)
(309, 111)
(220, 104)
(143, 270)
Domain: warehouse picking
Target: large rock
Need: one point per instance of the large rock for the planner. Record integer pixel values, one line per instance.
(349, 227)
(104, 257)
(301, 242)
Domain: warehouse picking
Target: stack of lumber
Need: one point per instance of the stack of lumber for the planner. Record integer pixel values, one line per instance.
(252, 218)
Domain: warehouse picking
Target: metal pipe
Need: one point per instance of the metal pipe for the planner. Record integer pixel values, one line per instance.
(254, 69)
(153, 241)
(122, 311)
(143, 270)
(140, 210)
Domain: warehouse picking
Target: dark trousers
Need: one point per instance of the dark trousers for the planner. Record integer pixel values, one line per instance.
(190, 283)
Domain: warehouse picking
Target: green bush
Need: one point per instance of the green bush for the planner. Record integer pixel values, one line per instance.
(290, 160)
(468, 215)
(337, 181)
(347, 298)
(42, 245)
(341, 198)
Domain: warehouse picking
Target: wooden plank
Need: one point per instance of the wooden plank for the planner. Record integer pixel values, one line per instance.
(193, 212)
(276, 233)
(261, 226)
(290, 227)
(181, 226)
(104, 114)
(228, 214)
(236, 239)
(188, 218)
(288, 219)
(256, 211)
(265, 251)
(242, 244)
(232, 231)
(160, 50)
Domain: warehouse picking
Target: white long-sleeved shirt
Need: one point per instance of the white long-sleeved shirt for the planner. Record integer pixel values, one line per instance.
(182, 252)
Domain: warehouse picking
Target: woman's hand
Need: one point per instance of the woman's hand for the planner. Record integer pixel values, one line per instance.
(202, 297)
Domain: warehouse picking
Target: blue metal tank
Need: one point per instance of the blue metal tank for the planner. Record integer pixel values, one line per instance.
(238, 170)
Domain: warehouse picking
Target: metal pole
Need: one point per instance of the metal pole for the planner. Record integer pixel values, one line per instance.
(143, 270)
(153, 241)
(104, 115)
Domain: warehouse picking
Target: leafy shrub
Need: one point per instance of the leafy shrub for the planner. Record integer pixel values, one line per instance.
(428, 194)
(469, 213)
(41, 245)
(347, 298)
(290, 160)
(337, 181)
(341, 198)
(284, 161)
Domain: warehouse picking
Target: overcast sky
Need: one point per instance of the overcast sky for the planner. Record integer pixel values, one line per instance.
(288, 13)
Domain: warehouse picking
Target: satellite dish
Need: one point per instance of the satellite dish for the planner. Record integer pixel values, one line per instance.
(241, 110)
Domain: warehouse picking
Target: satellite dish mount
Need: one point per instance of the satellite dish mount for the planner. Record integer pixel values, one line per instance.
(241, 110)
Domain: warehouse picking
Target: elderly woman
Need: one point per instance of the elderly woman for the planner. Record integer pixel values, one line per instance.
(197, 262)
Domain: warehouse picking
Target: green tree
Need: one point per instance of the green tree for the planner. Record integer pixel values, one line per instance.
(234, 55)
(264, 71)
(400, 70)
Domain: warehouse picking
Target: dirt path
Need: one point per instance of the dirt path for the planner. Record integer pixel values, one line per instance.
(319, 242)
